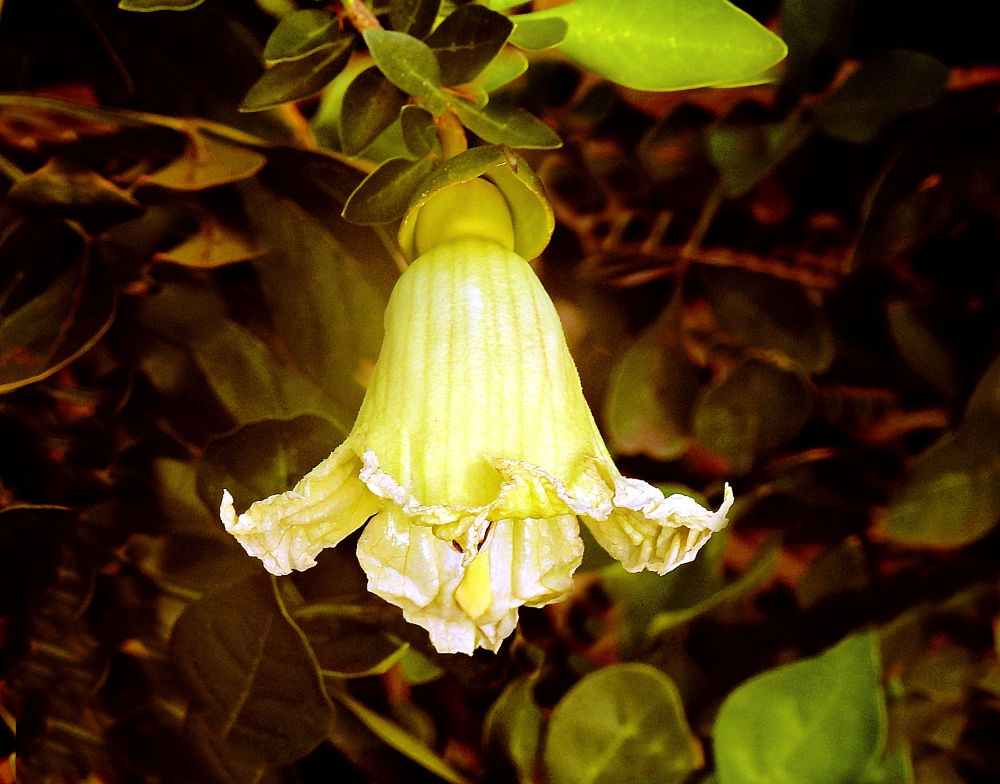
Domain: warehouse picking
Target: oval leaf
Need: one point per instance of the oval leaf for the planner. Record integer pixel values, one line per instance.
(665, 44)
(300, 33)
(158, 5)
(620, 725)
(467, 40)
(506, 125)
(371, 104)
(415, 17)
(297, 79)
(820, 720)
(207, 162)
(406, 62)
(386, 192)
(535, 35)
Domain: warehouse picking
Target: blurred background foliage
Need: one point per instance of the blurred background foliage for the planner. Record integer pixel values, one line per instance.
(792, 286)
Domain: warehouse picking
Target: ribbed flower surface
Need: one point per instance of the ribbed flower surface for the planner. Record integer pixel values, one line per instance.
(477, 455)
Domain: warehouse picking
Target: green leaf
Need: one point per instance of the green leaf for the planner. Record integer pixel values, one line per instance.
(818, 33)
(406, 62)
(840, 569)
(744, 153)
(419, 132)
(817, 721)
(512, 730)
(158, 5)
(207, 162)
(386, 192)
(297, 79)
(69, 187)
(466, 41)
(251, 673)
(414, 17)
(665, 44)
(896, 767)
(898, 82)
(652, 392)
(300, 33)
(506, 125)
(620, 725)
(74, 307)
(265, 457)
(402, 741)
(922, 349)
(418, 669)
(757, 408)
(535, 35)
(503, 5)
(502, 69)
(325, 309)
(371, 104)
(769, 313)
(214, 244)
(345, 645)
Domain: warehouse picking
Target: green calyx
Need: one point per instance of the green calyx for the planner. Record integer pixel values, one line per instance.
(474, 209)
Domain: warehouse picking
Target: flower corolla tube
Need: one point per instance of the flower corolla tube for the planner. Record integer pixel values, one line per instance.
(473, 459)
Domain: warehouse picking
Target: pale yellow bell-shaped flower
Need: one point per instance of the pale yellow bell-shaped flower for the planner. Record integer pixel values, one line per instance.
(472, 459)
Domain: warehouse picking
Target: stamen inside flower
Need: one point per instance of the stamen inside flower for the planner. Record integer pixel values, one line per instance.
(474, 594)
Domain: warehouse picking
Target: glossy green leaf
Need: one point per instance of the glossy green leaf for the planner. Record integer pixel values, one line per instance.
(324, 308)
(501, 70)
(300, 33)
(371, 103)
(158, 5)
(506, 125)
(512, 731)
(652, 392)
(406, 62)
(744, 153)
(503, 5)
(898, 82)
(263, 458)
(68, 187)
(467, 40)
(757, 408)
(384, 195)
(817, 721)
(665, 44)
(818, 33)
(207, 162)
(62, 320)
(620, 725)
(414, 17)
(294, 80)
(251, 673)
(535, 35)
(769, 313)
(419, 132)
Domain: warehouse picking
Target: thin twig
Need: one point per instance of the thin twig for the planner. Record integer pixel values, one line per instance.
(359, 15)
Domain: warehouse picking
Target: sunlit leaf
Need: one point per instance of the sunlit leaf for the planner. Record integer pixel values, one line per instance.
(535, 35)
(898, 82)
(620, 725)
(506, 125)
(467, 40)
(207, 162)
(371, 103)
(665, 44)
(513, 728)
(294, 80)
(300, 33)
(820, 720)
(253, 678)
(502, 69)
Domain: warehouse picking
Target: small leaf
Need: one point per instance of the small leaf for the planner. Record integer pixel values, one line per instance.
(66, 318)
(744, 153)
(506, 125)
(513, 728)
(300, 33)
(535, 35)
(214, 244)
(158, 5)
(207, 162)
(419, 132)
(417, 669)
(67, 186)
(467, 40)
(821, 719)
(898, 82)
(769, 313)
(297, 79)
(922, 349)
(413, 17)
(620, 725)
(252, 675)
(756, 409)
(386, 192)
(502, 69)
(406, 62)
(371, 104)
(665, 44)
(265, 457)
